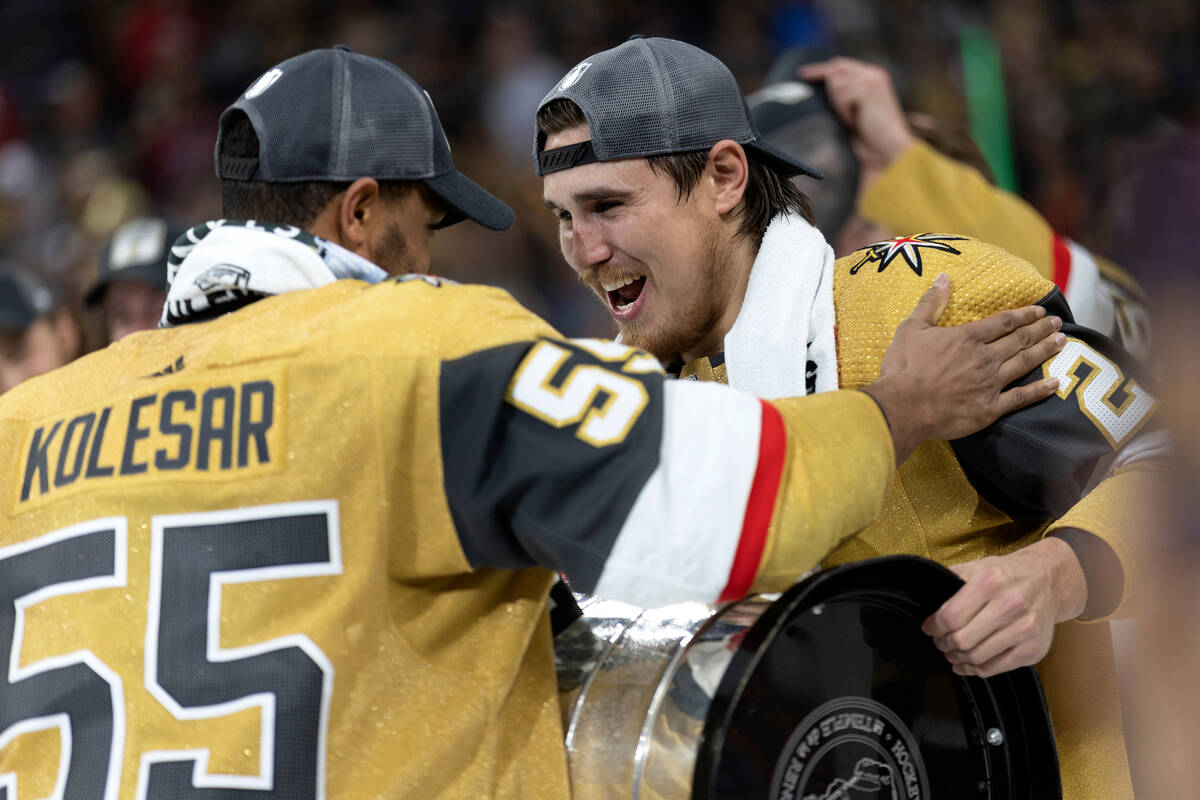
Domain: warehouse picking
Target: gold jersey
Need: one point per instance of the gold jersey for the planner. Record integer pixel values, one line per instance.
(1055, 466)
(303, 550)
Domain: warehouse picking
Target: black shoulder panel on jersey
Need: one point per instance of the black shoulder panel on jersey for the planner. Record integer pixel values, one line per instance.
(1037, 462)
(523, 490)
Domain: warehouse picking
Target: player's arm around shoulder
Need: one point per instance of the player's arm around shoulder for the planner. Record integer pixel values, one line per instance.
(578, 455)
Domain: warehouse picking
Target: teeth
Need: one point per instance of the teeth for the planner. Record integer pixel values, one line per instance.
(612, 286)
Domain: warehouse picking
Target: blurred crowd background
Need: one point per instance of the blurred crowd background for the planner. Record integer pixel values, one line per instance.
(109, 109)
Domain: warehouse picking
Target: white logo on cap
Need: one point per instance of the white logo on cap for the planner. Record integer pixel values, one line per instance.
(572, 77)
(265, 82)
(141, 241)
(789, 92)
(42, 300)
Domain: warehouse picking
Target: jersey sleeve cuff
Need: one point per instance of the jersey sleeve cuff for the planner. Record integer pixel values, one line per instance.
(1112, 513)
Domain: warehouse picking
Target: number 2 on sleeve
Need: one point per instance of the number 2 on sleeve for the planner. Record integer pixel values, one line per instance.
(1117, 407)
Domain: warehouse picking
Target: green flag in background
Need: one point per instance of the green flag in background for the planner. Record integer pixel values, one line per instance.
(986, 109)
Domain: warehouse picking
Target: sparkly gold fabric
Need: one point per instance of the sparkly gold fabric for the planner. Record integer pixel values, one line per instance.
(444, 678)
(930, 509)
(702, 369)
(1107, 515)
(838, 462)
(870, 303)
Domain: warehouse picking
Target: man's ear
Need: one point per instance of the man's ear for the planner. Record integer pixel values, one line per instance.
(354, 213)
(730, 172)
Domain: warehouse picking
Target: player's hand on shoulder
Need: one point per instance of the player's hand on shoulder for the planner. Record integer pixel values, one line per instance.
(945, 383)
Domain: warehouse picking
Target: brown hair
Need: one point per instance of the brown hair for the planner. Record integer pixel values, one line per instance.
(768, 192)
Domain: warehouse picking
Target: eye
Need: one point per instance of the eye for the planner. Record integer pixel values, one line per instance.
(562, 215)
(606, 205)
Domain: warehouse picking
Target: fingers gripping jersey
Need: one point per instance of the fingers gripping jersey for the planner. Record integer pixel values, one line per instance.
(303, 550)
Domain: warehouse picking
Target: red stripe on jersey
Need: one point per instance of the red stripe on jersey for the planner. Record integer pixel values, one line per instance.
(772, 445)
(1062, 262)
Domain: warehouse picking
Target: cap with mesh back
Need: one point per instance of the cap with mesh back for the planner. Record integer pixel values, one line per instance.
(136, 251)
(335, 115)
(648, 97)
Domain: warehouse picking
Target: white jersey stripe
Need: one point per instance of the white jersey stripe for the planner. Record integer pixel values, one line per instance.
(679, 540)
(1091, 305)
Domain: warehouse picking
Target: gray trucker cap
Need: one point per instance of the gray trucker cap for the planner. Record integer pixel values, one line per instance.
(334, 115)
(648, 97)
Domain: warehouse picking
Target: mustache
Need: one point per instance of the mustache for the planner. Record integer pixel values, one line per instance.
(594, 276)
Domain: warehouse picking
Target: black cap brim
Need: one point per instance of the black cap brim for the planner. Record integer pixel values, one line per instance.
(153, 274)
(15, 319)
(466, 199)
(782, 161)
(16, 311)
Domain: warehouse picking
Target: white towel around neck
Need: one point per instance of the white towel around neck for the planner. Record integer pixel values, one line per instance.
(787, 317)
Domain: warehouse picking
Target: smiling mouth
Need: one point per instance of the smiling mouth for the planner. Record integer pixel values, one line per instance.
(623, 292)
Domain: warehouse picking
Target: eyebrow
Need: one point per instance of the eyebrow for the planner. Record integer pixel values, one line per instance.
(592, 195)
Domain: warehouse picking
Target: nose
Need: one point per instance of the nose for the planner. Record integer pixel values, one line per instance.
(585, 245)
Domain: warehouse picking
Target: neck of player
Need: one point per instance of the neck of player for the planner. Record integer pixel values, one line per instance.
(736, 266)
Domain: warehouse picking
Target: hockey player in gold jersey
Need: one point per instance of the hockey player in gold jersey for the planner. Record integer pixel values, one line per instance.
(298, 543)
(656, 175)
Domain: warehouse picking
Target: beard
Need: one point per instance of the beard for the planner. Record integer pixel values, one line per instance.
(668, 336)
(392, 253)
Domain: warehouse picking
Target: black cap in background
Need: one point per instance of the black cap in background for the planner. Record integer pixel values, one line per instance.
(23, 299)
(136, 251)
(797, 118)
